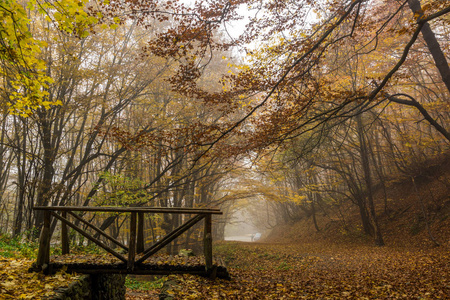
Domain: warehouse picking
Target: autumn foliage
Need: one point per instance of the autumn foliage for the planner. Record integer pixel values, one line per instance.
(289, 110)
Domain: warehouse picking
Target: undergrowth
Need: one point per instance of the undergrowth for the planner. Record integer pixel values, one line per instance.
(23, 247)
(17, 247)
(147, 285)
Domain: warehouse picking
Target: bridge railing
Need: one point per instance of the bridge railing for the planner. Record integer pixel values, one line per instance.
(135, 243)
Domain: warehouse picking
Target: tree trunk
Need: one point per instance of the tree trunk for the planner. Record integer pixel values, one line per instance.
(21, 162)
(432, 44)
(44, 190)
(368, 180)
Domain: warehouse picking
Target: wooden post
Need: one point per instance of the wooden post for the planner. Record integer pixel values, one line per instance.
(140, 233)
(207, 243)
(132, 242)
(64, 236)
(43, 258)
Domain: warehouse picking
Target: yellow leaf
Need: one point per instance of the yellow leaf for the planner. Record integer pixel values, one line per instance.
(8, 284)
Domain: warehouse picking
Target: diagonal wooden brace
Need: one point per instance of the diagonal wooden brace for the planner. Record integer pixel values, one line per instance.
(101, 232)
(89, 237)
(170, 237)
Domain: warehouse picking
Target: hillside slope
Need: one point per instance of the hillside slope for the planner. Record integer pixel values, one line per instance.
(414, 214)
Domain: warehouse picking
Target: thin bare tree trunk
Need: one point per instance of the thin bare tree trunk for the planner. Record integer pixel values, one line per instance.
(367, 177)
(425, 215)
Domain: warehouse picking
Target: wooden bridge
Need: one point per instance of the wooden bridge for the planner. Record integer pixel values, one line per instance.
(137, 260)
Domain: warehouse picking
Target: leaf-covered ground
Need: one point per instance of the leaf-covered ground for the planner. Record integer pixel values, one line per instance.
(320, 271)
(278, 271)
(17, 283)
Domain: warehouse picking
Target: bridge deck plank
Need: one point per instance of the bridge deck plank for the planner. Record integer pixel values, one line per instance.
(156, 265)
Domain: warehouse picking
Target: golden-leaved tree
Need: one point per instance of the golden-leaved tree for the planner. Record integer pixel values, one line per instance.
(25, 81)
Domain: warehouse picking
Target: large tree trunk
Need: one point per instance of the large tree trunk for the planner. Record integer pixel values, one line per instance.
(433, 45)
(45, 185)
(21, 162)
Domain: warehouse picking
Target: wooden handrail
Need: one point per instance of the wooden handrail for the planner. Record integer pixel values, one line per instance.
(136, 237)
(181, 210)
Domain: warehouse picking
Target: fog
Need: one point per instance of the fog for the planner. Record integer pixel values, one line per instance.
(240, 227)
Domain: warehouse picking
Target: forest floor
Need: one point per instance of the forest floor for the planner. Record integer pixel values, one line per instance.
(317, 271)
(320, 270)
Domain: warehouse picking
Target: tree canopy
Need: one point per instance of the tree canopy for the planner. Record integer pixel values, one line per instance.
(159, 103)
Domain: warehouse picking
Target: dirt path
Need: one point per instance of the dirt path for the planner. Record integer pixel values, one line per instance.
(288, 271)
